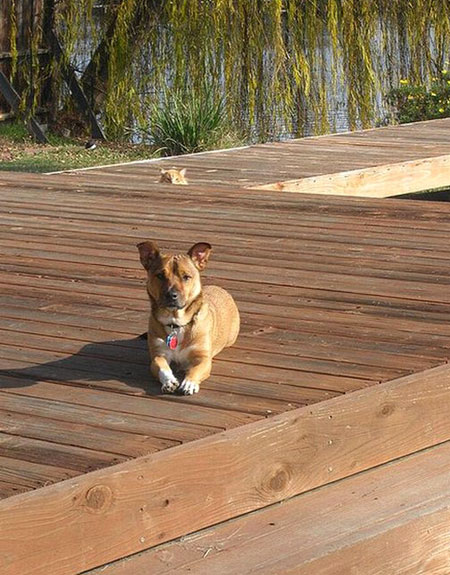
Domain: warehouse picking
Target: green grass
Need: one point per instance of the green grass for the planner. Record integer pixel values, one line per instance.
(19, 153)
(14, 132)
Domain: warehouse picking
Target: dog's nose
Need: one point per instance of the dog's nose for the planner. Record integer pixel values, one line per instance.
(172, 295)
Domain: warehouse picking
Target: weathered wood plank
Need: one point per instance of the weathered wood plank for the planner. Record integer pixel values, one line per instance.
(53, 428)
(134, 505)
(95, 408)
(28, 474)
(392, 519)
(140, 403)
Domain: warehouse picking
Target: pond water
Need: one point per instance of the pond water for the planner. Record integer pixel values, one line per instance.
(284, 68)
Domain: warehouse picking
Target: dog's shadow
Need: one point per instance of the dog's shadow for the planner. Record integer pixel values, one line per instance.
(115, 365)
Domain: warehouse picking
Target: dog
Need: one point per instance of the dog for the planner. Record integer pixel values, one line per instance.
(188, 324)
(173, 176)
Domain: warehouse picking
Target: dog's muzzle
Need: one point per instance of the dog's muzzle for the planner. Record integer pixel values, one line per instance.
(173, 299)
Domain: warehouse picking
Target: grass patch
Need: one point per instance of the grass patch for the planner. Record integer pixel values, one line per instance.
(19, 152)
(15, 132)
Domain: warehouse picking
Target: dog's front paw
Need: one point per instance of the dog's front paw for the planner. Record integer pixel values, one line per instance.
(189, 387)
(170, 386)
(169, 383)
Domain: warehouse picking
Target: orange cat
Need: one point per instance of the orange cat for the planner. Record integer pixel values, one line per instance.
(173, 176)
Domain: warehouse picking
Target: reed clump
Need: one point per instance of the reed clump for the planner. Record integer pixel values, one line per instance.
(183, 122)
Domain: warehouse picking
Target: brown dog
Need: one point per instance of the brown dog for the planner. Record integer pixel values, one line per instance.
(188, 325)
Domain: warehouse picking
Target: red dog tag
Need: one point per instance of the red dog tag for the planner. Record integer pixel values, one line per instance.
(172, 341)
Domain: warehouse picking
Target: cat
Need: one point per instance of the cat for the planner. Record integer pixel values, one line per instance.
(173, 176)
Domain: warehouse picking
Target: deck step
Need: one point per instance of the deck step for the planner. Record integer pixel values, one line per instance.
(394, 519)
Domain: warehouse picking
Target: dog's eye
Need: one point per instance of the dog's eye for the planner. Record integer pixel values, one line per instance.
(160, 276)
(186, 277)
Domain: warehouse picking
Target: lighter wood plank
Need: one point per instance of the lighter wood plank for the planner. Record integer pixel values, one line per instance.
(392, 179)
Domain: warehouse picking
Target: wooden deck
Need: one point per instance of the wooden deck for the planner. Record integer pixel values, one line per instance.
(372, 163)
(340, 365)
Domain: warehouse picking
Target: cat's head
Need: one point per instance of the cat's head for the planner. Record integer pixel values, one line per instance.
(173, 176)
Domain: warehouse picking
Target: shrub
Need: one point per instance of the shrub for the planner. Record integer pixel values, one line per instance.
(412, 103)
(185, 122)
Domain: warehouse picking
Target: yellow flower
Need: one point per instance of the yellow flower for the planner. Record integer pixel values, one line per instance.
(448, 81)
(441, 110)
(410, 97)
(433, 93)
(403, 81)
(445, 72)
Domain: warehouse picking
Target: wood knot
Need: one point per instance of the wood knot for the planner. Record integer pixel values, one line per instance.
(98, 498)
(276, 482)
(387, 409)
(279, 481)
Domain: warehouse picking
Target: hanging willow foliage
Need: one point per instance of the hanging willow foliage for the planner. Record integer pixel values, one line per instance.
(281, 66)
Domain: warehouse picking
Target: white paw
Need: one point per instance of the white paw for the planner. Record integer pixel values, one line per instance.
(169, 383)
(189, 387)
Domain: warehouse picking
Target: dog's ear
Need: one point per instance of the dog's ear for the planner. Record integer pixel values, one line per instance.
(199, 254)
(149, 253)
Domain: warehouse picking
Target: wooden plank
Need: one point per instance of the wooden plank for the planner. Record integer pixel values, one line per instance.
(260, 201)
(346, 247)
(79, 434)
(380, 182)
(89, 302)
(392, 519)
(56, 454)
(300, 344)
(10, 489)
(135, 378)
(96, 409)
(363, 259)
(31, 474)
(160, 407)
(427, 289)
(253, 335)
(401, 265)
(228, 213)
(134, 506)
(335, 228)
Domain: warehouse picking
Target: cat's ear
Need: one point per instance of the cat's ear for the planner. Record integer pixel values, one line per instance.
(183, 172)
(163, 172)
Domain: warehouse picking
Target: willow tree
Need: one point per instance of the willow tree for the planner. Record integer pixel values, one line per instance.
(280, 65)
